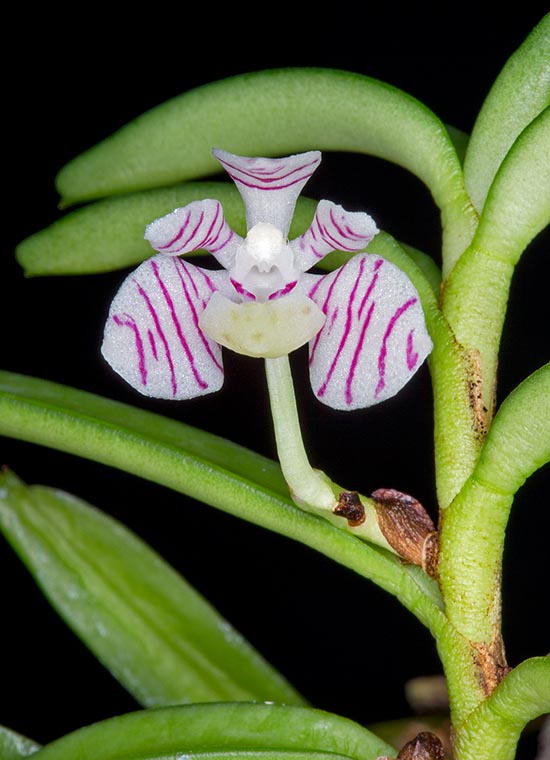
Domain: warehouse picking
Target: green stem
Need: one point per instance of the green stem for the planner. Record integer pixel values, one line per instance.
(311, 488)
(494, 728)
(307, 486)
(473, 528)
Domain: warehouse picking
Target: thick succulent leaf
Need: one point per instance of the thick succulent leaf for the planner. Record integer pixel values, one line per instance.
(518, 204)
(109, 234)
(519, 94)
(139, 617)
(494, 728)
(13, 746)
(260, 731)
(203, 466)
(516, 210)
(272, 113)
(374, 337)
(518, 442)
(152, 335)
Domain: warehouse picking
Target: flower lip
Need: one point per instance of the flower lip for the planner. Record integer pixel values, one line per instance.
(262, 330)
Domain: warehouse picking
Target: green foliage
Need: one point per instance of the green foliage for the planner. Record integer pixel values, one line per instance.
(143, 621)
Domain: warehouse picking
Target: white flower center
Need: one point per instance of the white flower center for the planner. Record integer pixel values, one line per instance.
(264, 264)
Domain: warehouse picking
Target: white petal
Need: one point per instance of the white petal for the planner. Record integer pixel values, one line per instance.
(269, 186)
(152, 335)
(269, 329)
(333, 229)
(374, 338)
(200, 224)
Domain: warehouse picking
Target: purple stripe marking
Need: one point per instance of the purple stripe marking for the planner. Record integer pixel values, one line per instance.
(347, 328)
(333, 242)
(355, 360)
(412, 355)
(306, 243)
(208, 282)
(179, 267)
(129, 321)
(153, 344)
(191, 236)
(283, 291)
(324, 307)
(377, 264)
(178, 235)
(384, 350)
(368, 292)
(162, 336)
(249, 177)
(242, 291)
(216, 248)
(201, 383)
(346, 230)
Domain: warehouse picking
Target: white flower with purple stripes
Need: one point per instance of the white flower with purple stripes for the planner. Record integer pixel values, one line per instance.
(170, 318)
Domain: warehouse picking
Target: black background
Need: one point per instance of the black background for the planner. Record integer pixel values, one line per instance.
(70, 83)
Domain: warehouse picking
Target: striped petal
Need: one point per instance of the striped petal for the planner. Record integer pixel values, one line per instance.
(269, 186)
(200, 224)
(152, 335)
(374, 338)
(332, 229)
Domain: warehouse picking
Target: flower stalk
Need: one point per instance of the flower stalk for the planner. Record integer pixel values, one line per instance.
(308, 487)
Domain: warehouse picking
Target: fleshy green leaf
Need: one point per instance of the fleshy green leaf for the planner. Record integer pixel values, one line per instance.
(203, 466)
(277, 112)
(13, 746)
(516, 210)
(147, 625)
(519, 94)
(518, 204)
(494, 728)
(259, 731)
(518, 442)
(109, 234)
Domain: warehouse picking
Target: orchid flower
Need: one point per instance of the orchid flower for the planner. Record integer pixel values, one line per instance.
(169, 320)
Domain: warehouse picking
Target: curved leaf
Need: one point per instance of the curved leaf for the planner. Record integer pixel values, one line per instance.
(221, 731)
(516, 210)
(150, 628)
(109, 234)
(13, 746)
(494, 728)
(518, 204)
(272, 113)
(202, 466)
(518, 442)
(520, 92)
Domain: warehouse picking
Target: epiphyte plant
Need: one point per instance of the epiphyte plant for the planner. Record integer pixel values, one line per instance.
(363, 322)
(204, 692)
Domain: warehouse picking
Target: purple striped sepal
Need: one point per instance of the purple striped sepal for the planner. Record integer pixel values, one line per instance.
(270, 186)
(374, 336)
(169, 320)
